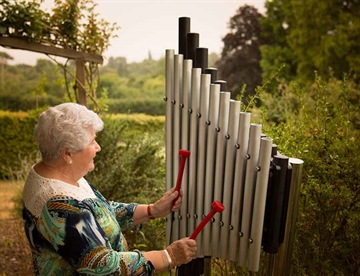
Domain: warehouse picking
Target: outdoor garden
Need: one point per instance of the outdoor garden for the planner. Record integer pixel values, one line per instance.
(296, 67)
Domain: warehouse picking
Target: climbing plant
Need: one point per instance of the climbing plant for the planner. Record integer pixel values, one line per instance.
(71, 25)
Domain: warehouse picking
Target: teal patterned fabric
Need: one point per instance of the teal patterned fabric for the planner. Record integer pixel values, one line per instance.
(73, 237)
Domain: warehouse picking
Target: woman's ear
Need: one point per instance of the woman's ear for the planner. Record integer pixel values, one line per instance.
(66, 155)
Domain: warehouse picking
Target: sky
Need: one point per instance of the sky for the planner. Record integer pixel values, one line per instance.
(152, 26)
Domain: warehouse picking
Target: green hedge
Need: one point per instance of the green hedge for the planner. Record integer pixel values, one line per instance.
(154, 106)
(18, 149)
(16, 141)
(15, 102)
(129, 168)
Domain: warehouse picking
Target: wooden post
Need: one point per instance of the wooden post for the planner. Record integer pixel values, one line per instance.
(80, 81)
(79, 57)
(2, 74)
(207, 266)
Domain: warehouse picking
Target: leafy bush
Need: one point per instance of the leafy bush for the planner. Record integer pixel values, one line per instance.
(16, 141)
(130, 168)
(325, 135)
(153, 106)
(14, 102)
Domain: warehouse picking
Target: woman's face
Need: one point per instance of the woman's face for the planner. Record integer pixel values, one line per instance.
(83, 161)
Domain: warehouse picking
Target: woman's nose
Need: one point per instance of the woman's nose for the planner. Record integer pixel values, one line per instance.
(98, 148)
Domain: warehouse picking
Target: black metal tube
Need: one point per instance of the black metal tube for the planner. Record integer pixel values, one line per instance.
(184, 29)
(223, 85)
(201, 58)
(274, 204)
(285, 204)
(274, 150)
(212, 72)
(270, 202)
(192, 42)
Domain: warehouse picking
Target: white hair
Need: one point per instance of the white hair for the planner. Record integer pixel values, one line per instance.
(65, 126)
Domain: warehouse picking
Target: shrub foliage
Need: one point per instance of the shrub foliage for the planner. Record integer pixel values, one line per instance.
(129, 168)
(325, 135)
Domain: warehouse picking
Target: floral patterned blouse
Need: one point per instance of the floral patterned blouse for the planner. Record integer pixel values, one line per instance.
(75, 230)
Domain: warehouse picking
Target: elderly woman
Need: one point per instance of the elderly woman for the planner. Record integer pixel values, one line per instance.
(72, 229)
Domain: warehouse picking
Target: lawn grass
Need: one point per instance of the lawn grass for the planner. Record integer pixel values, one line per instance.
(10, 191)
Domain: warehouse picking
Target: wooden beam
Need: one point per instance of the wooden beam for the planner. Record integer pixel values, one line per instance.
(17, 43)
(80, 81)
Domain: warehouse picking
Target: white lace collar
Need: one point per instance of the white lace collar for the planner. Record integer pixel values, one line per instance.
(38, 190)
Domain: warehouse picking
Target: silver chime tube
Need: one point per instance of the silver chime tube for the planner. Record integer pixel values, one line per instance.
(169, 96)
(283, 260)
(249, 189)
(229, 161)
(185, 143)
(212, 123)
(257, 223)
(239, 183)
(222, 130)
(231, 137)
(178, 83)
(194, 110)
(203, 117)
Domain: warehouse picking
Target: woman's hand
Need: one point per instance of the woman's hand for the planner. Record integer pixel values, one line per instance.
(166, 204)
(182, 251)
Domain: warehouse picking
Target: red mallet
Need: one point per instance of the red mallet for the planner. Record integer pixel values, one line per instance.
(184, 154)
(217, 207)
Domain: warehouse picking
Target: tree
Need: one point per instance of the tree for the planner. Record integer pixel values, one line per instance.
(275, 50)
(239, 63)
(311, 35)
(72, 25)
(213, 59)
(40, 89)
(118, 64)
(4, 57)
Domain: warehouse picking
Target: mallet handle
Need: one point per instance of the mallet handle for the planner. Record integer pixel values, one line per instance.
(216, 207)
(184, 155)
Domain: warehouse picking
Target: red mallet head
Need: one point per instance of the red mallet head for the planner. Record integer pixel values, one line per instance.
(184, 153)
(217, 206)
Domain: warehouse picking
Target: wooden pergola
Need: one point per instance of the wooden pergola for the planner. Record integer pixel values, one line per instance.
(79, 57)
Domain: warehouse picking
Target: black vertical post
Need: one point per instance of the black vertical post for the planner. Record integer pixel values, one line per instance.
(188, 49)
(223, 85)
(285, 204)
(274, 150)
(193, 268)
(184, 29)
(212, 72)
(275, 204)
(192, 42)
(201, 58)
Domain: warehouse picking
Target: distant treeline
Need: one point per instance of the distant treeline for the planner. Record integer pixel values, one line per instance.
(128, 87)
